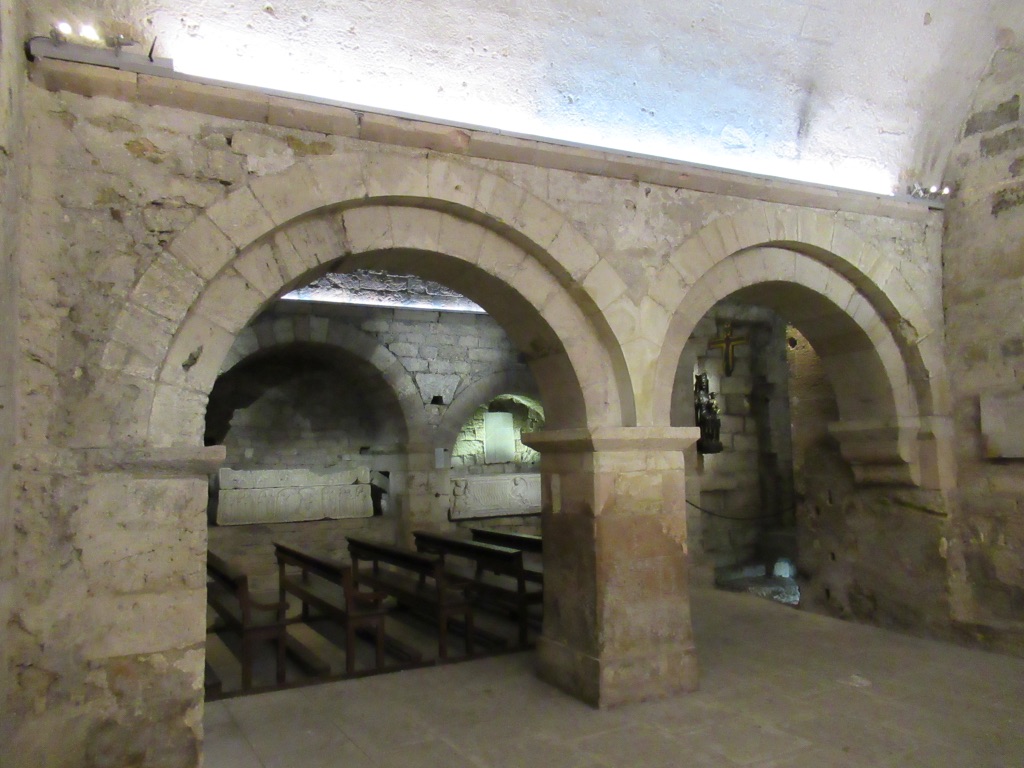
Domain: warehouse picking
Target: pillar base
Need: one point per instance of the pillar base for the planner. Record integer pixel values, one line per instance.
(611, 682)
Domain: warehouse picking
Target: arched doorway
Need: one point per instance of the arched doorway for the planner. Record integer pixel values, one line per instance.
(519, 260)
(888, 433)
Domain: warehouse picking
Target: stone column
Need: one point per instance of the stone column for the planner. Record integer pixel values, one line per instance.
(427, 494)
(616, 594)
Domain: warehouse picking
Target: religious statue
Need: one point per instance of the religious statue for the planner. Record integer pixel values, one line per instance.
(727, 344)
(706, 410)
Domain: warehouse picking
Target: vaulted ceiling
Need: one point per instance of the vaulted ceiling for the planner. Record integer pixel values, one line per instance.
(866, 94)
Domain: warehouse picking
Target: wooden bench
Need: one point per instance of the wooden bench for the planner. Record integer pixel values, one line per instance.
(328, 587)
(497, 572)
(529, 543)
(415, 580)
(227, 592)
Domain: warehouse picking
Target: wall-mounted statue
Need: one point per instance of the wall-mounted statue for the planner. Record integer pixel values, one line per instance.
(705, 411)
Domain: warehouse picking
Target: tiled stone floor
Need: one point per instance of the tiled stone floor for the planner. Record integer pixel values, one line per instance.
(779, 689)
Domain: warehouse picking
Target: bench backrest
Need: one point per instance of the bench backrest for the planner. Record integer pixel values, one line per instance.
(407, 559)
(527, 542)
(231, 580)
(491, 557)
(331, 570)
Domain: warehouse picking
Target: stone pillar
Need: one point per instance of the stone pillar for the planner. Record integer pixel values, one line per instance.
(616, 593)
(427, 494)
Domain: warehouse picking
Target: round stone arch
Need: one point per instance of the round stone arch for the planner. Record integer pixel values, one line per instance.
(881, 418)
(483, 390)
(281, 331)
(823, 237)
(181, 319)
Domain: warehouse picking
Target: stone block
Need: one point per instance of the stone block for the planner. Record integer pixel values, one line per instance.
(997, 144)
(307, 116)
(233, 103)
(58, 75)
(197, 354)
(289, 495)
(417, 228)
(178, 417)
(413, 133)
(538, 221)
(258, 264)
(285, 196)
(167, 288)
(241, 217)
(368, 229)
(317, 239)
(603, 284)
(203, 247)
(499, 199)
(131, 625)
(990, 119)
(230, 302)
(1002, 425)
(573, 252)
(751, 228)
(461, 238)
(454, 181)
(138, 341)
(340, 178)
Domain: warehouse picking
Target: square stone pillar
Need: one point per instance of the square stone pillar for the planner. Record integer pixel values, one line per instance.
(427, 494)
(616, 593)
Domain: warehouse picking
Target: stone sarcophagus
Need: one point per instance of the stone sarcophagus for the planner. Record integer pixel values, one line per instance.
(494, 495)
(292, 495)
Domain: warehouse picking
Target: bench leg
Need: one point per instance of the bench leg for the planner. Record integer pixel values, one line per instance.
(380, 644)
(246, 663)
(282, 647)
(442, 635)
(350, 647)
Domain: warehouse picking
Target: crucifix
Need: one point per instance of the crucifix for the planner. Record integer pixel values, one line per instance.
(728, 345)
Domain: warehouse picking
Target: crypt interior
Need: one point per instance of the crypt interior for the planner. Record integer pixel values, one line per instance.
(429, 384)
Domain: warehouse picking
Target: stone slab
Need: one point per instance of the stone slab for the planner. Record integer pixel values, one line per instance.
(1002, 425)
(490, 496)
(292, 495)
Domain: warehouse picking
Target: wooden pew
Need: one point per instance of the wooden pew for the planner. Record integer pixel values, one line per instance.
(529, 543)
(415, 580)
(327, 586)
(227, 592)
(498, 573)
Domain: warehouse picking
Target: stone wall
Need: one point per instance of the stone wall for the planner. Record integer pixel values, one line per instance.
(984, 293)
(12, 176)
(748, 487)
(300, 396)
(156, 233)
(468, 456)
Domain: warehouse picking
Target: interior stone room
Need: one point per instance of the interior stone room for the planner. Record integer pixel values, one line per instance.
(683, 332)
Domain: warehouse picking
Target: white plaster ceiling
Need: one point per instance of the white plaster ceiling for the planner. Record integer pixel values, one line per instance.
(866, 94)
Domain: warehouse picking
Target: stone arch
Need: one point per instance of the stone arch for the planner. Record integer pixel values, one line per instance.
(483, 390)
(822, 237)
(182, 317)
(330, 332)
(882, 420)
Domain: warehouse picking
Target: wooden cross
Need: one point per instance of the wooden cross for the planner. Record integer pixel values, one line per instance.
(728, 346)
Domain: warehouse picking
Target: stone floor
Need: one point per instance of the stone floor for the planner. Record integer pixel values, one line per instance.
(779, 688)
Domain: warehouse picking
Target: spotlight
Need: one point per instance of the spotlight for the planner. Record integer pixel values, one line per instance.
(59, 32)
(928, 193)
(88, 31)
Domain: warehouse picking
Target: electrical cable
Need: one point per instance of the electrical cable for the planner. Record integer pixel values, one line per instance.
(742, 519)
